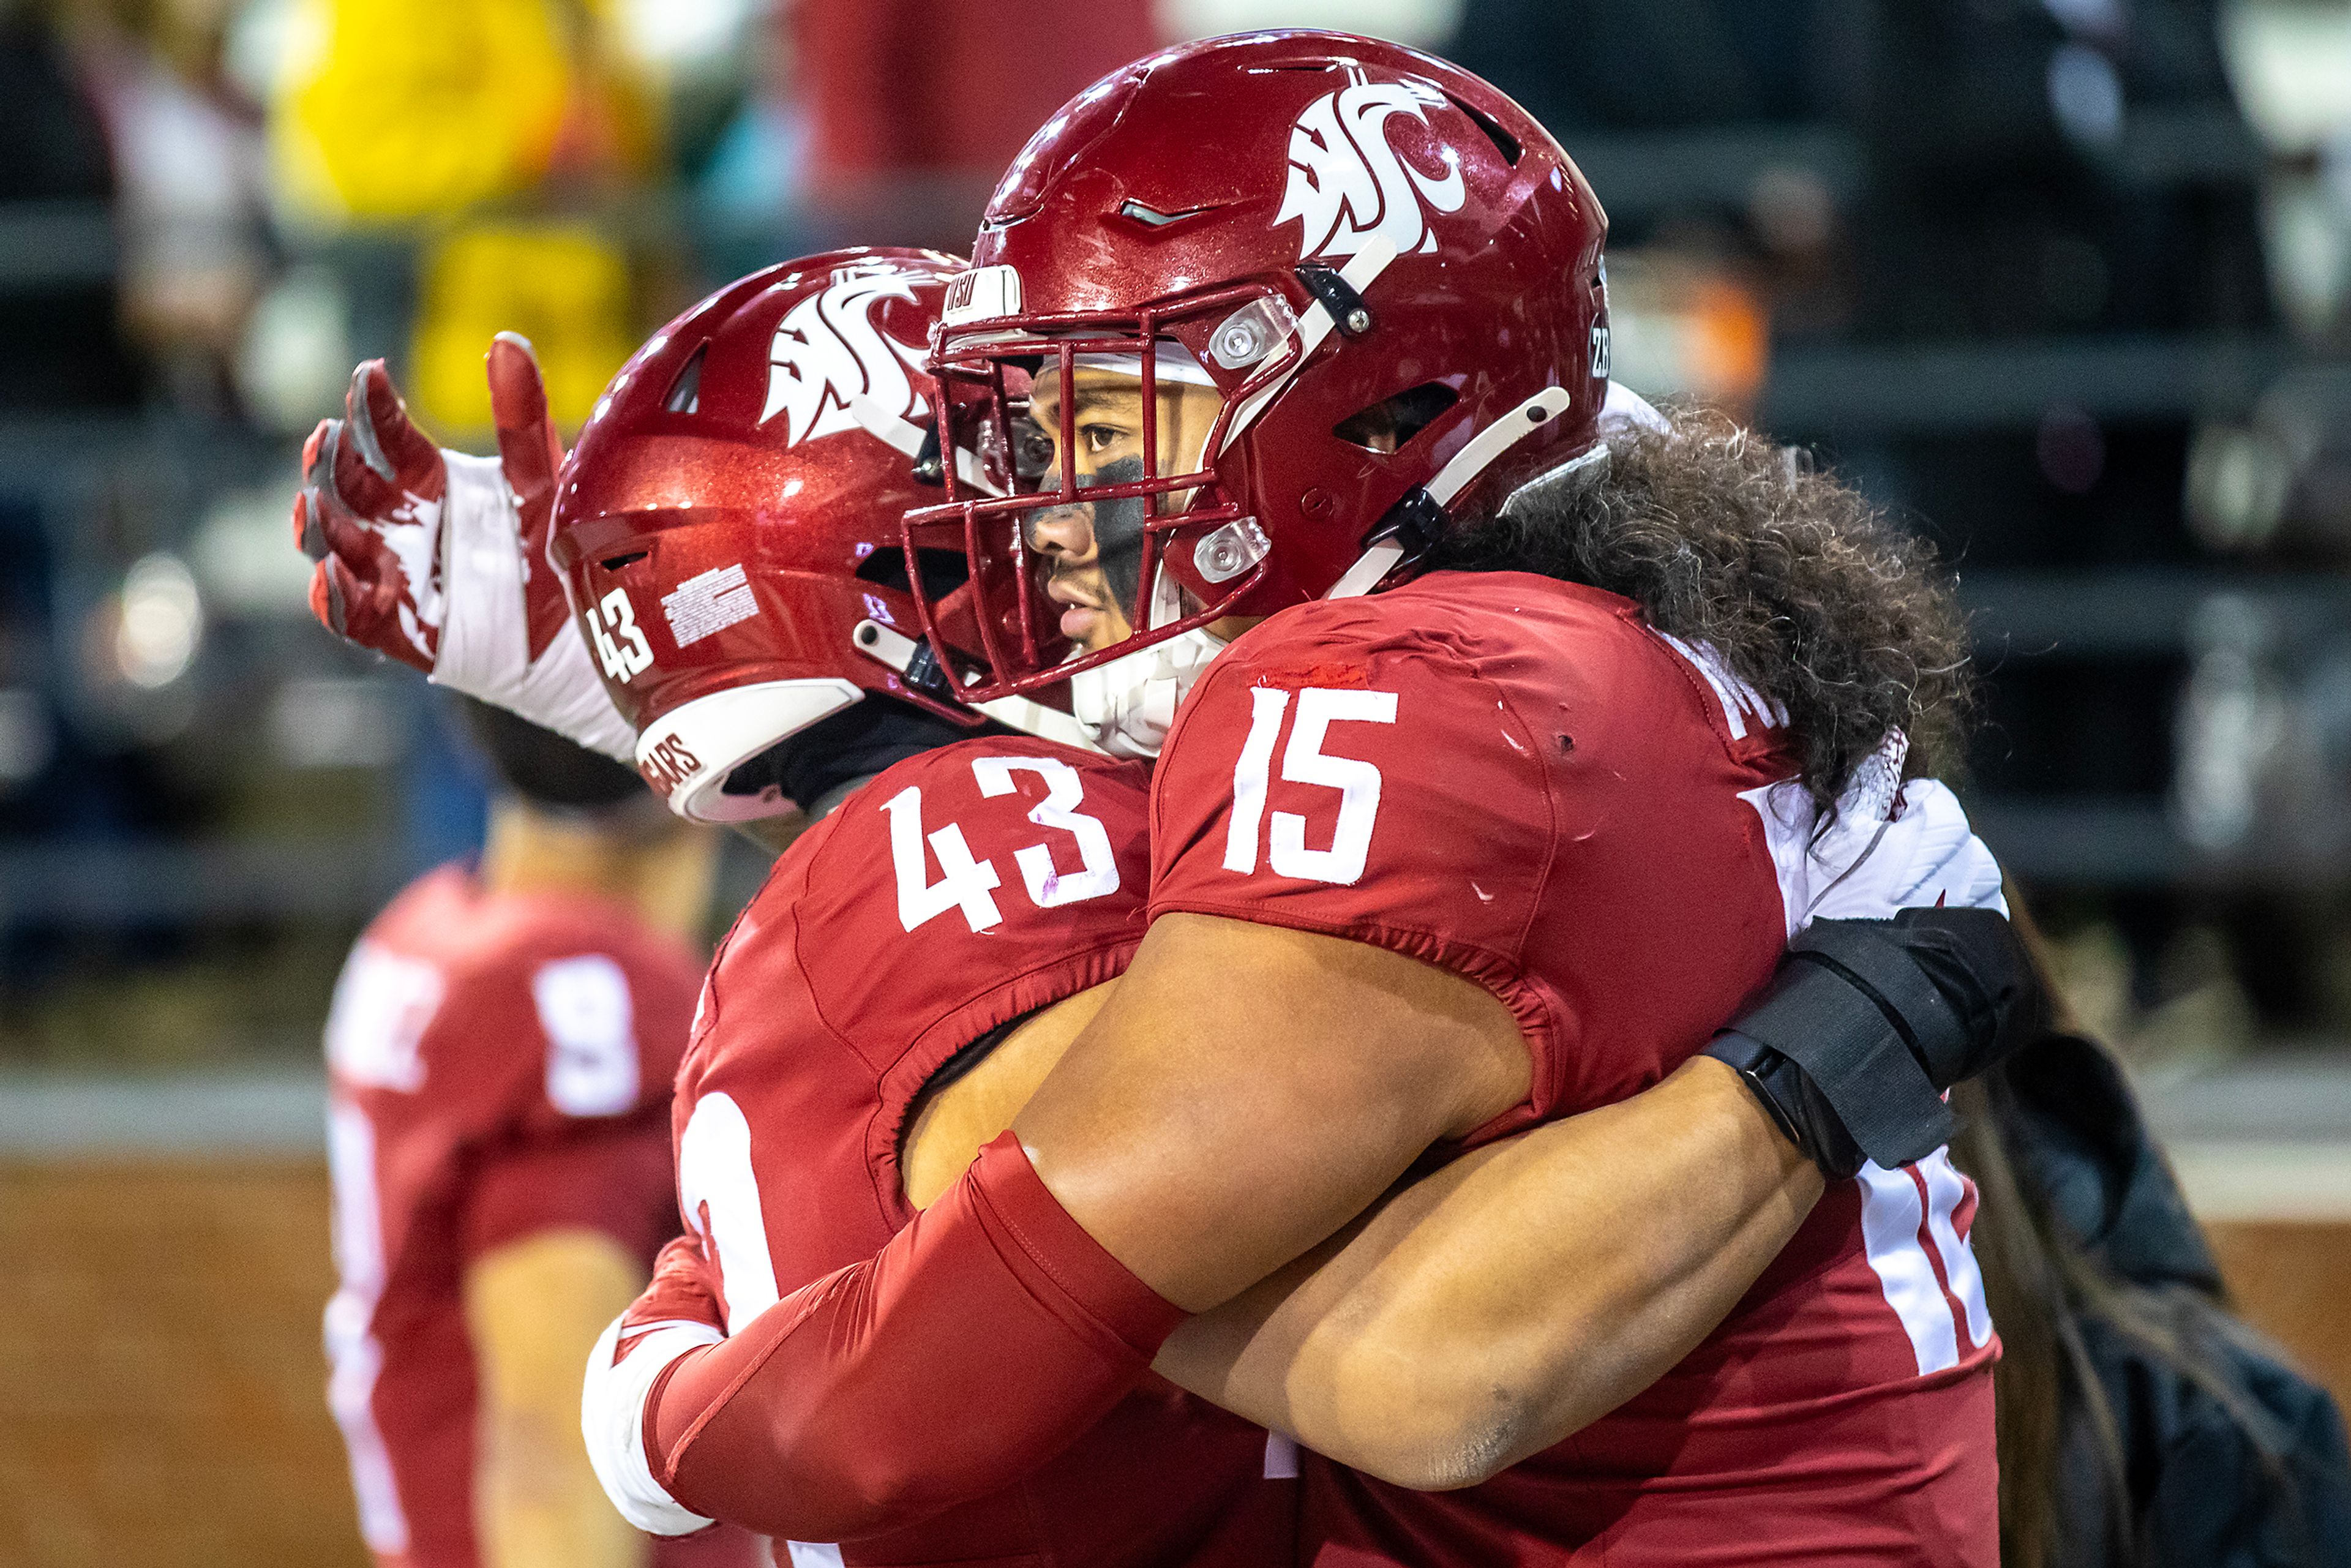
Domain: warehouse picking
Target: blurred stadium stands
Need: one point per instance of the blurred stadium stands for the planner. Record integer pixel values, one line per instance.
(2063, 282)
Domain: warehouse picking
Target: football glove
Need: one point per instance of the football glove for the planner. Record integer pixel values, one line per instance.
(676, 1313)
(438, 558)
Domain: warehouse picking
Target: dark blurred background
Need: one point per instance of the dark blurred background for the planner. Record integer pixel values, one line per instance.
(2063, 281)
(2067, 283)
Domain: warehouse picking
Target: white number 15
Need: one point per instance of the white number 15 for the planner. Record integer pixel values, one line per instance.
(1358, 783)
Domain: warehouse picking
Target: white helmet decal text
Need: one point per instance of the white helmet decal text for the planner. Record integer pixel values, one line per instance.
(1348, 184)
(828, 350)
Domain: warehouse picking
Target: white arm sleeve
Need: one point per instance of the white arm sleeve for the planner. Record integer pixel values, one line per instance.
(485, 636)
(613, 1418)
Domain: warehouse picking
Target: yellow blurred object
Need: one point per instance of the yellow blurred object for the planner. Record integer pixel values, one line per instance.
(390, 110)
(560, 285)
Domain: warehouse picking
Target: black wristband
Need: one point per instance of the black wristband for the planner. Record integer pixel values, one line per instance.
(1794, 1102)
(1855, 1056)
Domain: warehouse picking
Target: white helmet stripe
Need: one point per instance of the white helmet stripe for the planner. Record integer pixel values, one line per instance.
(1381, 558)
(882, 425)
(1313, 328)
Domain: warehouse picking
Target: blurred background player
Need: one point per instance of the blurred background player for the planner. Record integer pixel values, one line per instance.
(500, 1050)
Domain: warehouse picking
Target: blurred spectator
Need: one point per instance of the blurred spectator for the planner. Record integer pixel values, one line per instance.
(913, 108)
(391, 110)
(191, 199)
(2140, 1421)
(59, 347)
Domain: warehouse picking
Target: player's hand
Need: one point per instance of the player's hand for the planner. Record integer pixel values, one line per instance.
(1868, 1021)
(676, 1314)
(369, 514)
(439, 559)
(679, 1293)
(531, 455)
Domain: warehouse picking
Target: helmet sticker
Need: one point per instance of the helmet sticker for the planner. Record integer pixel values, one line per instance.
(982, 294)
(827, 349)
(1347, 184)
(708, 603)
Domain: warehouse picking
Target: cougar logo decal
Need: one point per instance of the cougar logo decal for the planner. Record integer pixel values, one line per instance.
(1347, 184)
(827, 349)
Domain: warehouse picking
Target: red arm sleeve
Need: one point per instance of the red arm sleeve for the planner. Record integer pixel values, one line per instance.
(980, 1341)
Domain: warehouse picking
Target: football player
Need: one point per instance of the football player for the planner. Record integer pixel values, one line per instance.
(710, 716)
(1431, 865)
(500, 1052)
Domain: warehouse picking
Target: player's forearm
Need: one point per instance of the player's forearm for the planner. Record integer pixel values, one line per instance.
(978, 1342)
(1524, 1290)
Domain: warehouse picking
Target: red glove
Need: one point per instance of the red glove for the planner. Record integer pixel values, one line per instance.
(369, 514)
(679, 1293)
(439, 559)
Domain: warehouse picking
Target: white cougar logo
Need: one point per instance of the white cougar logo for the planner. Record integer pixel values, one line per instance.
(1348, 184)
(827, 350)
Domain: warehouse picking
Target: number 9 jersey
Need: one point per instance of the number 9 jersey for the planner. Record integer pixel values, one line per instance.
(499, 1068)
(961, 890)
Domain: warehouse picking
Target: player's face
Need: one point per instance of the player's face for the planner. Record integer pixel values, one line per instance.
(1094, 550)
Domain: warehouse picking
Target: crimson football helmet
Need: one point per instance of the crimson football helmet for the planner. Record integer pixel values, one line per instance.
(728, 527)
(1390, 273)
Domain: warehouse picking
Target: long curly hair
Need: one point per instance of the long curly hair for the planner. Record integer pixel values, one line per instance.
(1806, 590)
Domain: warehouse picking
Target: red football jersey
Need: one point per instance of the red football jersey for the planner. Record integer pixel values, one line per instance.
(498, 1065)
(957, 893)
(1516, 778)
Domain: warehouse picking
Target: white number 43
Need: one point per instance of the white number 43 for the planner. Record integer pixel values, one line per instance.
(969, 884)
(620, 646)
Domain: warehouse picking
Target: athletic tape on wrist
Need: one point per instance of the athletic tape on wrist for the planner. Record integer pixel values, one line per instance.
(611, 1418)
(1838, 1033)
(485, 634)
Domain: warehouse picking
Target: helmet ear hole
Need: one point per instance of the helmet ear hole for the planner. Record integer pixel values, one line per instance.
(1390, 425)
(944, 570)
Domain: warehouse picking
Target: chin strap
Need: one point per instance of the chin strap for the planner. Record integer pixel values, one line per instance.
(895, 651)
(1423, 510)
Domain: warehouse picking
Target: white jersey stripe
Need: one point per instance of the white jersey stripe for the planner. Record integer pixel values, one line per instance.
(1893, 1214)
(1947, 1191)
(354, 1356)
(1927, 1246)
